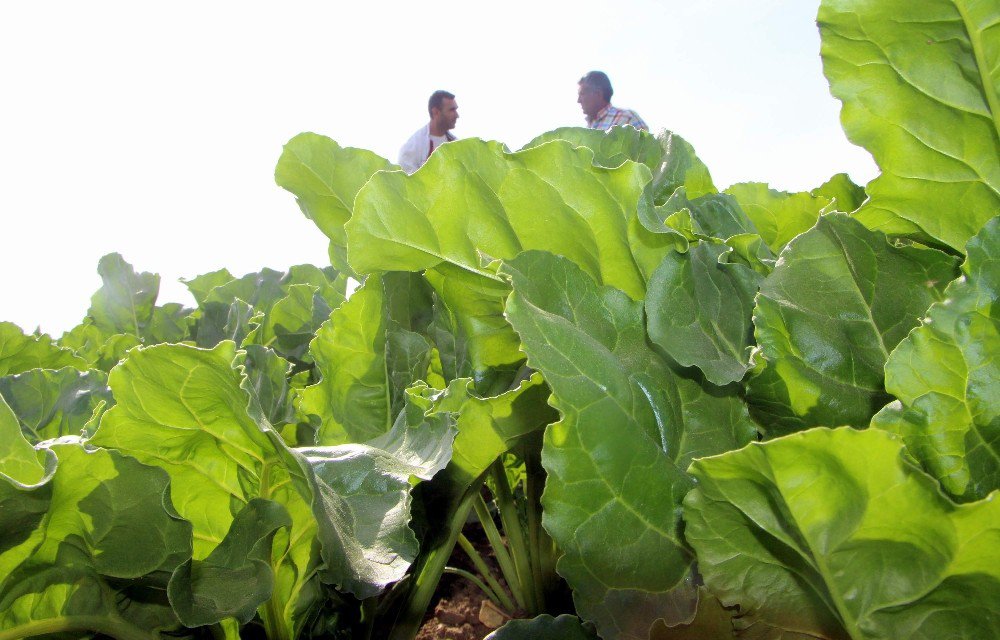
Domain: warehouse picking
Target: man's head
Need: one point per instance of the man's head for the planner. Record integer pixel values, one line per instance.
(594, 93)
(443, 111)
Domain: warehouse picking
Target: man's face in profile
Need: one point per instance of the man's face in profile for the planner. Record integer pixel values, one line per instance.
(447, 114)
(590, 99)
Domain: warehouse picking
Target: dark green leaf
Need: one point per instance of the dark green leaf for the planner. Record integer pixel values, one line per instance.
(946, 376)
(838, 302)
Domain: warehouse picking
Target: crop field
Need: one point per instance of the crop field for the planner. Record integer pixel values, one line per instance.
(666, 411)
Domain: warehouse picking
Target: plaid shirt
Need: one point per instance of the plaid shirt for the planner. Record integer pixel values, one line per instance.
(611, 116)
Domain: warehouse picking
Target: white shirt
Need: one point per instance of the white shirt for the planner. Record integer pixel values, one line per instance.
(419, 147)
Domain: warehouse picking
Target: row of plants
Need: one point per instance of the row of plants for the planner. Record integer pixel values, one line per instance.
(673, 411)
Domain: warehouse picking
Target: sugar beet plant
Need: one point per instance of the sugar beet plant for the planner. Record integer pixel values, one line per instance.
(703, 414)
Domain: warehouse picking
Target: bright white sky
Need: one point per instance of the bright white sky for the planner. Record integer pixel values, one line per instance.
(153, 129)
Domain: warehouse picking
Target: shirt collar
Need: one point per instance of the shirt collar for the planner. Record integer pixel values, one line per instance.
(601, 114)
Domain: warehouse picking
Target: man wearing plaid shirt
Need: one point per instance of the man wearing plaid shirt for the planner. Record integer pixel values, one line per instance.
(594, 97)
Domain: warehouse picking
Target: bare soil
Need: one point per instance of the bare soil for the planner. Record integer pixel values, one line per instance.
(454, 611)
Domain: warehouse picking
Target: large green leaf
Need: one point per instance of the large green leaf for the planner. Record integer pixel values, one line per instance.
(189, 411)
(49, 404)
(946, 376)
(919, 82)
(473, 199)
(325, 178)
(98, 553)
(183, 409)
(699, 309)
(237, 576)
(778, 216)
(615, 460)
(671, 159)
(836, 534)
(20, 352)
(367, 356)
(838, 302)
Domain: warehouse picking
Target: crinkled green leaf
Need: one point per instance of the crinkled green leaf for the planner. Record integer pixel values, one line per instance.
(473, 199)
(274, 309)
(680, 167)
(365, 493)
(778, 216)
(331, 285)
(50, 404)
(671, 159)
(838, 302)
(20, 352)
(487, 426)
(236, 576)
(470, 331)
(100, 349)
(946, 376)
(699, 309)
(835, 533)
(100, 558)
(183, 409)
(201, 285)
(842, 192)
(267, 376)
(421, 438)
(125, 301)
(289, 325)
(920, 86)
(260, 290)
(220, 321)
(189, 411)
(21, 465)
(544, 627)
(615, 460)
(715, 215)
(367, 356)
(611, 147)
(325, 178)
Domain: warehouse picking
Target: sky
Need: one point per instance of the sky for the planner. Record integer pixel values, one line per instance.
(153, 129)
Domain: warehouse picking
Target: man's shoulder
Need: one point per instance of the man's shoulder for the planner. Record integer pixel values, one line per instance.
(422, 132)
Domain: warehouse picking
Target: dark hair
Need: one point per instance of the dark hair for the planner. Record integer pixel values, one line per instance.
(437, 98)
(599, 80)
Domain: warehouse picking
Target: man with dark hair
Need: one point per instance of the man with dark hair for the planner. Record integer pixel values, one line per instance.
(444, 113)
(594, 97)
